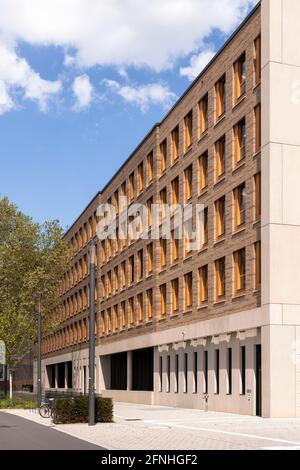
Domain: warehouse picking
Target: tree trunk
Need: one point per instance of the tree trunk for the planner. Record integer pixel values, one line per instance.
(10, 384)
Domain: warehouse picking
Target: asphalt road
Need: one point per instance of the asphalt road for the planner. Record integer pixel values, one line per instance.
(21, 434)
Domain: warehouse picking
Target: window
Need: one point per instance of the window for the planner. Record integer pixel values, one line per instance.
(168, 374)
(150, 168)
(220, 278)
(205, 371)
(131, 187)
(188, 183)
(240, 77)
(188, 130)
(140, 264)
(163, 299)
(123, 314)
(131, 310)
(220, 217)
(257, 253)
(240, 142)
(176, 373)
(229, 371)
(150, 258)
(203, 163)
(116, 201)
(175, 144)
(116, 279)
(239, 206)
(109, 279)
(102, 324)
(203, 284)
(116, 318)
(185, 372)
(174, 243)
(257, 128)
(163, 156)
(163, 252)
(175, 295)
(123, 195)
(188, 290)
(204, 226)
(103, 252)
(195, 372)
(220, 90)
(149, 211)
(220, 154)
(239, 258)
(109, 321)
(203, 110)
(163, 202)
(131, 269)
(123, 274)
(103, 287)
(140, 177)
(217, 371)
(149, 304)
(257, 60)
(175, 191)
(243, 370)
(140, 307)
(257, 196)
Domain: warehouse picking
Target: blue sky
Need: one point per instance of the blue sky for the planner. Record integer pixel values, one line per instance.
(74, 103)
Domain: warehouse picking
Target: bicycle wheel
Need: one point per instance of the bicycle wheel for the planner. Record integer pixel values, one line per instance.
(44, 411)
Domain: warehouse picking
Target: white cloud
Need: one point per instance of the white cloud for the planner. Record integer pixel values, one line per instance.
(83, 92)
(197, 64)
(17, 75)
(143, 96)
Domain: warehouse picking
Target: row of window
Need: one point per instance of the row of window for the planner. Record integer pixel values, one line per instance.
(84, 234)
(165, 372)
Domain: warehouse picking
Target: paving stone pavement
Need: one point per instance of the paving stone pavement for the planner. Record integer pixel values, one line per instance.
(161, 428)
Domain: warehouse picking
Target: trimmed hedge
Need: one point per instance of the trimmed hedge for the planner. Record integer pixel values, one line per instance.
(16, 403)
(76, 410)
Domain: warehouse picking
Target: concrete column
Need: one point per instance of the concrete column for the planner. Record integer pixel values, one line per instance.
(56, 375)
(66, 375)
(129, 370)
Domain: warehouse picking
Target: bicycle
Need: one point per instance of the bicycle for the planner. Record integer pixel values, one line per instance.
(46, 409)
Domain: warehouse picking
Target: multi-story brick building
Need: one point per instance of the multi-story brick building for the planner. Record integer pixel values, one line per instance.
(175, 324)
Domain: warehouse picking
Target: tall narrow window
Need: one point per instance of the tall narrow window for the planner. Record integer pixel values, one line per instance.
(203, 285)
(123, 314)
(116, 201)
(140, 264)
(109, 283)
(150, 258)
(188, 129)
(123, 195)
(203, 110)
(203, 164)
(131, 310)
(257, 128)
(116, 318)
(220, 152)
(149, 211)
(102, 323)
(163, 253)
(160, 373)
(243, 370)
(163, 299)
(217, 371)
(257, 253)
(163, 202)
(175, 191)
(175, 295)
(239, 206)
(175, 144)
(195, 371)
(123, 274)
(131, 269)
(150, 168)
(257, 60)
(188, 183)
(140, 307)
(185, 371)
(220, 217)
(205, 372)
(140, 177)
(168, 374)
(240, 77)
(220, 97)
(149, 303)
(174, 246)
(240, 141)
(257, 196)
(229, 371)
(220, 278)
(176, 373)
(116, 279)
(188, 290)
(109, 321)
(163, 156)
(239, 258)
(131, 187)
(204, 226)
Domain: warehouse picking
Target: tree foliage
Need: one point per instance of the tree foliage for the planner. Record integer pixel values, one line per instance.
(33, 258)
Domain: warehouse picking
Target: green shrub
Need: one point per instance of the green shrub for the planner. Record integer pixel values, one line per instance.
(76, 410)
(17, 403)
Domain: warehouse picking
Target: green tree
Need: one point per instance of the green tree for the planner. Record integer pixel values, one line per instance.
(33, 258)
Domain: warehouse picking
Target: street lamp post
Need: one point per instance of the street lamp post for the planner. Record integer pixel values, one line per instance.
(92, 335)
(39, 355)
